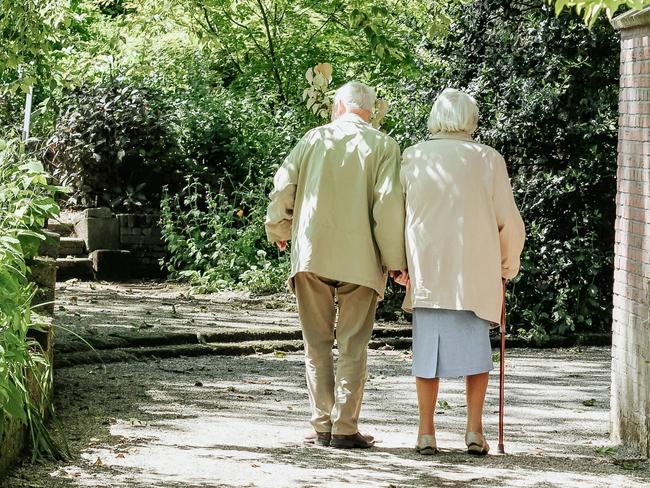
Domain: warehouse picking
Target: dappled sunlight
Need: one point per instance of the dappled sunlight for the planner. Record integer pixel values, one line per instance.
(243, 426)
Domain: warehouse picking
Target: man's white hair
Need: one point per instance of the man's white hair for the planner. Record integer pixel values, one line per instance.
(453, 111)
(356, 95)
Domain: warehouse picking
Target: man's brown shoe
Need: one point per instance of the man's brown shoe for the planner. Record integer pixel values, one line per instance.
(354, 441)
(318, 438)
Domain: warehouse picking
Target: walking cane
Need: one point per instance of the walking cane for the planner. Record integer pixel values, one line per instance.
(502, 370)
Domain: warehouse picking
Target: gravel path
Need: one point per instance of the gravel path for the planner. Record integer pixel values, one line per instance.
(238, 422)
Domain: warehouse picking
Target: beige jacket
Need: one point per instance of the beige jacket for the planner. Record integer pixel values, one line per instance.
(338, 197)
(463, 229)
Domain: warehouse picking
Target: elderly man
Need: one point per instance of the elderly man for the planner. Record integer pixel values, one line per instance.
(338, 198)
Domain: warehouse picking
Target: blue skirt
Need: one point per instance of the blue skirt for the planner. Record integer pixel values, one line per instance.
(450, 343)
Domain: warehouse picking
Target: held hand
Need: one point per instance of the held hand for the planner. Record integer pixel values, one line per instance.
(282, 245)
(401, 277)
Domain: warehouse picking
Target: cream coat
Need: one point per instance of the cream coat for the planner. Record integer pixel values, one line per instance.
(463, 229)
(337, 196)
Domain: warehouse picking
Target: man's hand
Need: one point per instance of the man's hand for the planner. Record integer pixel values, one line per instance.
(401, 277)
(282, 245)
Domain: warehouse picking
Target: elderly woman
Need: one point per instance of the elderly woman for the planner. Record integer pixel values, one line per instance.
(464, 236)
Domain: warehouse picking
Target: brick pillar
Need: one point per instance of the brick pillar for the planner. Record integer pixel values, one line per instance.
(630, 405)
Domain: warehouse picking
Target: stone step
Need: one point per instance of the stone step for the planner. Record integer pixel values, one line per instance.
(184, 350)
(113, 264)
(242, 348)
(72, 246)
(64, 229)
(74, 267)
(394, 336)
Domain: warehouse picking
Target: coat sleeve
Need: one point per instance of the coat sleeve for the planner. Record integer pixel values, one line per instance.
(388, 210)
(279, 215)
(512, 232)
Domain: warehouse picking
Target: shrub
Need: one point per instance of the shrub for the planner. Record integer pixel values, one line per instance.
(110, 145)
(26, 202)
(218, 241)
(548, 89)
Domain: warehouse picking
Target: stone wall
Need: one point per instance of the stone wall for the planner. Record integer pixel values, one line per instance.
(630, 405)
(140, 234)
(121, 246)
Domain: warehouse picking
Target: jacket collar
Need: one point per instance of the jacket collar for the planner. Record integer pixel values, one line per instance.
(351, 117)
(461, 136)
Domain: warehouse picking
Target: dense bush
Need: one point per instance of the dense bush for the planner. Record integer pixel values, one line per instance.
(217, 241)
(528, 70)
(110, 145)
(548, 91)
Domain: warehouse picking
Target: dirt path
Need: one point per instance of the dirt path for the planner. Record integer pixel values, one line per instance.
(213, 421)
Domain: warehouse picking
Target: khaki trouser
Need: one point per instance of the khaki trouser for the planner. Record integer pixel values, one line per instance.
(335, 397)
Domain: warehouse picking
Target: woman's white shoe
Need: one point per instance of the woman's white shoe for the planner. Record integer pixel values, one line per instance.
(426, 444)
(476, 444)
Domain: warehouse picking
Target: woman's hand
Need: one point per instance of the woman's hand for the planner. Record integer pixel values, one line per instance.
(401, 277)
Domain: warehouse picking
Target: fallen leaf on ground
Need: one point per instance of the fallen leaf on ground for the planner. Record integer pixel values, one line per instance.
(444, 404)
(589, 403)
(257, 382)
(120, 456)
(605, 450)
(98, 462)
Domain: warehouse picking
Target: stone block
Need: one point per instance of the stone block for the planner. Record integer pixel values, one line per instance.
(98, 213)
(110, 264)
(43, 300)
(44, 334)
(99, 233)
(68, 268)
(72, 246)
(64, 229)
(50, 246)
(132, 241)
(42, 271)
(12, 442)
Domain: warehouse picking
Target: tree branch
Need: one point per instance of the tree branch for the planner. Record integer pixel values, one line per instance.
(274, 60)
(208, 26)
(317, 31)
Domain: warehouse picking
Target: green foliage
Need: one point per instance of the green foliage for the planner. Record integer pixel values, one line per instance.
(110, 145)
(33, 34)
(266, 45)
(26, 202)
(528, 70)
(224, 80)
(591, 9)
(217, 242)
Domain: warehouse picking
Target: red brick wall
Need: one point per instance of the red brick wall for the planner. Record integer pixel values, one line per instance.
(630, 407)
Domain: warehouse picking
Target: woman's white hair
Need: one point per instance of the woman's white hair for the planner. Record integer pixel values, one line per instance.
(356, 95)
(453, 111)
